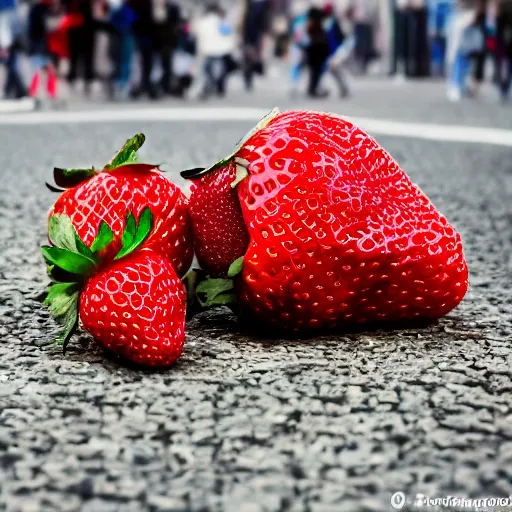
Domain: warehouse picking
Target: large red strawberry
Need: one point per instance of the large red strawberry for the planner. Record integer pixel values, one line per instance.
(123, 186)
(133, 305)
(338, 232)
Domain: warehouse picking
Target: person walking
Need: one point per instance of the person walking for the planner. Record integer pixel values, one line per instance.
(213, 43)
(417, 39)
(464, 39)
(230, 64)
(479, 55)
(317, 51)
(41, 21)
(504, 48)
(337, 61)
(10, 49)
(82, 42)
(365, 15)
(298, 45)
(122, 47)
(166, 22)
(332, 29)
(183, 59)
(254, 24)
(400, 48)
(439, 12)
(144, 38)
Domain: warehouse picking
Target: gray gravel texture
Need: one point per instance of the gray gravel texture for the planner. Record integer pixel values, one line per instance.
(338, 423)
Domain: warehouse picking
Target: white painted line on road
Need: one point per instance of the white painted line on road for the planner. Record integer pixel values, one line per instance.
(12, 106)
(438, 132)
(137, 114)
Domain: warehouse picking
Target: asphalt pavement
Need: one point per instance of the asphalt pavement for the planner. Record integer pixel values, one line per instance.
(338, 423)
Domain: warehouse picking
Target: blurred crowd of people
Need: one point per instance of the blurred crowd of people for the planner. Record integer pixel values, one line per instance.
(156, 48)
(168, 47)
(327, 40)
(444, 38)
(477, 34)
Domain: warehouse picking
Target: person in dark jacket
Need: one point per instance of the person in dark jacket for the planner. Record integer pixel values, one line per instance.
(165, 40)
(143, 32)
(254, 25)
(81, 41)
(317, 51)
(156, 32)
(504, 48)
(479, 56)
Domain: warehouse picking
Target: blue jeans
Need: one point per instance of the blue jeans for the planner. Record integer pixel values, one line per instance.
(124, 70)
(297, 64)
(460, 72)
(215, 76)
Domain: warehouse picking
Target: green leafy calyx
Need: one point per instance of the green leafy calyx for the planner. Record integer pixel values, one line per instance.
(70, 249)
(134, 233)
(104, 238)
(216, 292)
(128, 153)
(62, 300)
(219, 292)
(69, 178)
(70, 262)
(236, 267)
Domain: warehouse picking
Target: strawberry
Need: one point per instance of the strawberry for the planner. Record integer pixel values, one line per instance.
(133, 305)
(338, 234)
(122, 186)
(220, 235)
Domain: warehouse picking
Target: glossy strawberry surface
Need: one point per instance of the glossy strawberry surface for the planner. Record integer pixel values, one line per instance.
(220, 235)
(109, 195)
(135, 307)
(338, 232)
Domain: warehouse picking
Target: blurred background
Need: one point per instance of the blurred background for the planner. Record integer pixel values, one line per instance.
(55, 53)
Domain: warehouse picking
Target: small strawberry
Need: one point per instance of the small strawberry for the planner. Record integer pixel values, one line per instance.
(122, 186)
(338, 234)
(133, 305)
(220, 235)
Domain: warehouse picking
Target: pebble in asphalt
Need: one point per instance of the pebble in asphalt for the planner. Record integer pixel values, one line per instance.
(337, 423)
